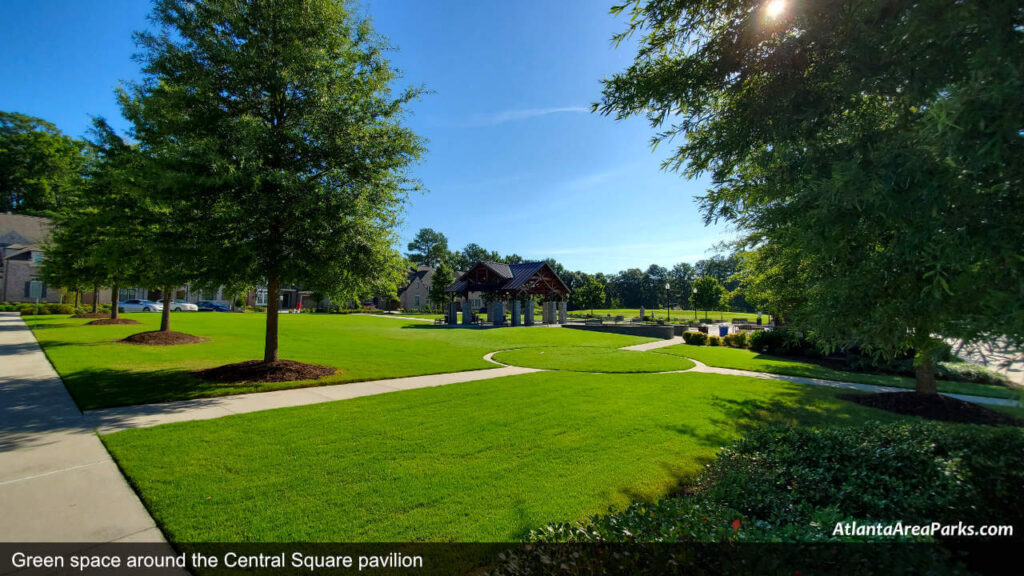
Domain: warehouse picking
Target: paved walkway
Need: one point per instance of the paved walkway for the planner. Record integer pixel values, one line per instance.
(998, 356)
(700, 367)
(143, 416)
(57, 482)
(654, 345)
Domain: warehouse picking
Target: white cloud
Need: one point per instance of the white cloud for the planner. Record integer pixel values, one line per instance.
(502, 117)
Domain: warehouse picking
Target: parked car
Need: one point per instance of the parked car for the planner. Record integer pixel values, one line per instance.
(207, 306)
(135, 305)
(183, 306)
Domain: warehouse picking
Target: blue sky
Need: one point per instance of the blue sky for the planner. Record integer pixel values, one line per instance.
(516, 162)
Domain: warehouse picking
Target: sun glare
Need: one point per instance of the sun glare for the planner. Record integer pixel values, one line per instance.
(775, 8)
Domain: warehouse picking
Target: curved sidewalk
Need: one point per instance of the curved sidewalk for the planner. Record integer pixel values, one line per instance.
(57, 481)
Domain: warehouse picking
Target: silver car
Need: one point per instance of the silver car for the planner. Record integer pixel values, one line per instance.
(183, 306)
(135, 305)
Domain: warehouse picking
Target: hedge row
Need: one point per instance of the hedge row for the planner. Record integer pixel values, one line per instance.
(786, 484)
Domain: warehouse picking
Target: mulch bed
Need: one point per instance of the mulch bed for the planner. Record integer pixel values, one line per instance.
(934, 407)
(258, 371)
(92, 315)
(112, 322)
(157, 338)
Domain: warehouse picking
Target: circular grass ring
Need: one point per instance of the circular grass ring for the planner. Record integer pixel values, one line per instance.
(592, 359)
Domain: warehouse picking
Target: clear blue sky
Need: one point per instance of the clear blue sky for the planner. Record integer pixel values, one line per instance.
(516, 161)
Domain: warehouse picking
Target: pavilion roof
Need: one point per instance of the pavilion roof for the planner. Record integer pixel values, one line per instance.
(523, 278)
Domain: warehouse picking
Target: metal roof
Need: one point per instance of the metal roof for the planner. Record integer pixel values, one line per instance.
(514, 277)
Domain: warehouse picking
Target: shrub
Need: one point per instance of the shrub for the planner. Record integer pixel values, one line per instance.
(968, 372)
(767, 341)
(60, 309)
(695, 338)
(795, 484)
(736, 340)
(714, 341)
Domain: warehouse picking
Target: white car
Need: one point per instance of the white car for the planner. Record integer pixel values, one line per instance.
(183, 306)
(140, 306)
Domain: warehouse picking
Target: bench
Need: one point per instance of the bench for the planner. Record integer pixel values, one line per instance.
(593, 322)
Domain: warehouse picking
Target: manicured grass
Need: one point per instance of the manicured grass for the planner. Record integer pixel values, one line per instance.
(477, 461)
(742, 359)
(588, 359)
(676, 315)
(99, 371)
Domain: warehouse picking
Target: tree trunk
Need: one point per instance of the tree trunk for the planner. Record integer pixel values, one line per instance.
(78, 298)
(273, 300)
(165, 316)
(95, 299)
(924, 375)
(114, 297)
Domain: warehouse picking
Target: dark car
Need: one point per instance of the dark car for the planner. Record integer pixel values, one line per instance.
(207, 306)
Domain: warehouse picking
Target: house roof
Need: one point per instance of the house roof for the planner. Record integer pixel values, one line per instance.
(527, 277)
(28, 231)
(423, 273)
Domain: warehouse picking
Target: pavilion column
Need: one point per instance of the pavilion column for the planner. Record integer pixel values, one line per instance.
(517, 310)
(467, 312)
(453, 313)
(563, 314)
(528, 316)
(497, 313)
(549, 312)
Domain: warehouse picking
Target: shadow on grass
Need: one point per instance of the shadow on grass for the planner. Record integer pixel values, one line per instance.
(93, 389)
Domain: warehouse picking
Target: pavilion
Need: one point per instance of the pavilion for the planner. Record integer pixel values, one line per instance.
(517, 283)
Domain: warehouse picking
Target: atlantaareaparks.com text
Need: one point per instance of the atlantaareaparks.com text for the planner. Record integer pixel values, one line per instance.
(933, 529)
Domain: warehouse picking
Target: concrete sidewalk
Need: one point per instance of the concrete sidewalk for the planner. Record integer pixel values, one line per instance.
(142, 416)
(701, 367)
(57, 481)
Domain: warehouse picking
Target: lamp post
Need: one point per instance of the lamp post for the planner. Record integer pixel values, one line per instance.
(668, 302)
(694, 300)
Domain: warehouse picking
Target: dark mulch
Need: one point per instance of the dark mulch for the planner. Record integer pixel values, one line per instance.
(111, 321)
(92, 315)
(934, 407)
(258, 371)
(158, 338)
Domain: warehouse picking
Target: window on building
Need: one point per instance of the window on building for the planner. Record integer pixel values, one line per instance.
(261, 296)
(417, 302)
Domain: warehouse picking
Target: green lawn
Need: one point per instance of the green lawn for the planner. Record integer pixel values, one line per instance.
(589, 359)
(676, 315)
(742, 359)
(101, 372)
(477, 461)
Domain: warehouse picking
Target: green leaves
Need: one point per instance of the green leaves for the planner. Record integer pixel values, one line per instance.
(870, 154)
(277, 128)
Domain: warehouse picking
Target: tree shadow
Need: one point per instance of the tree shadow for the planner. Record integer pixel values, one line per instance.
(98, 388)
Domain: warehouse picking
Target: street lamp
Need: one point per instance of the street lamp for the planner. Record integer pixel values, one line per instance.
(694, 300)
(668, 302)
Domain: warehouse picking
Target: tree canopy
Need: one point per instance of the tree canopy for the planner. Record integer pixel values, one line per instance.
(41, 169)
(279, 132)
(869, 152)
(428, 248)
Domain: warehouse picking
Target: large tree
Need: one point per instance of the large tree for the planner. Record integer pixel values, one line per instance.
(428, 248)
(708, 293)
(590, 294)
(41, 169)
(873, 147)
(442, 278)
(279, 121)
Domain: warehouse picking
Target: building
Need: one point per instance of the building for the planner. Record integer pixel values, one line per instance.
(517, 284)
(416, 294)
(21, 255)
